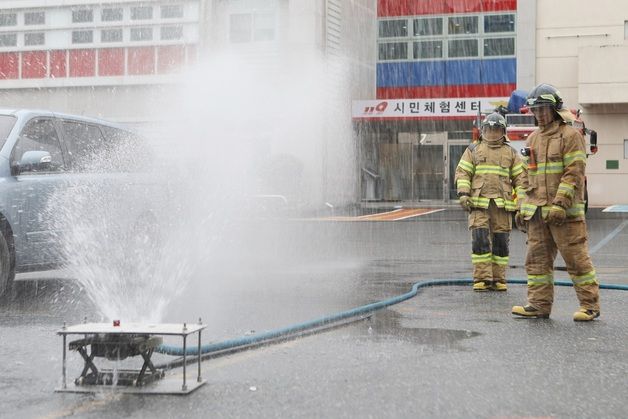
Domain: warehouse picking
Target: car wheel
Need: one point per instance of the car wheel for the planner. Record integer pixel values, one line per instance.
(6, 270)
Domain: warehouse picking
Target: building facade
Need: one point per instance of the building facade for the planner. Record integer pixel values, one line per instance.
(125, 60)
(582, 48)
(440, 63)
(94, 58)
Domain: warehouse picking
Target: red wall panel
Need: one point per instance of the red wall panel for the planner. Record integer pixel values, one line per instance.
(9, 65)
(170, 58)
(34, 65)
(111, 62)
(469, 90)
(58, 67)
(141, 60)
(386, 8)
(82, 63)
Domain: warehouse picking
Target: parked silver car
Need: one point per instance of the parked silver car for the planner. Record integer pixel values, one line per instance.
(44, 154)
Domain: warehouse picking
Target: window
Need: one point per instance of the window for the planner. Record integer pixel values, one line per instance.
(82, 37)
(141, 34)
(393, 51)
(172, 11)
(85, 144)
(460, 25)
(428, 26)
(35, 38)
(111, 14)
(171, 33)
(625, 149)
(240, 27)
(499, 46)
(35, 18)
(40, 135)
(625, 29)
(393, 28)
(6, 125)
(428, 49)
(247, 27)
(463, 48)
(263, 27)
(499, 23)
(8, 19)
(521, 120)
(8, 39)
(82, 15)
(125, 151)
(111, 35)
(141, 13)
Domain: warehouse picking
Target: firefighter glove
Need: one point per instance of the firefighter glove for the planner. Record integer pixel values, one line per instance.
(520, 222)
(556, 215)
(465, 202)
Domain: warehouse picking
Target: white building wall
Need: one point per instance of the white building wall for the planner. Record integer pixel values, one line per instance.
(122, 97)
(323, 47)
(581, 47)
(526, 44)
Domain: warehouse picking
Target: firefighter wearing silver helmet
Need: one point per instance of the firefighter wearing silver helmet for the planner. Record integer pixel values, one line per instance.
(485, 177)
(553, 210)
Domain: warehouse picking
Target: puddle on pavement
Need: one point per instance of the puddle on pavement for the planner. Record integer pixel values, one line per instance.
(386, 325)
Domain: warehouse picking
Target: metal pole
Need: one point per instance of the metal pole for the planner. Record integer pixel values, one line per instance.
(184, 387)
(64, 370)
(199, 379)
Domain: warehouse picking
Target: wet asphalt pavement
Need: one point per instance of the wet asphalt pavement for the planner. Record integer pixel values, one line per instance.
(446, 353)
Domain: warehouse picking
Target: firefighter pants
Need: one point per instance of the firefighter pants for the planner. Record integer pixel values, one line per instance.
(570, 239)
(490, 237)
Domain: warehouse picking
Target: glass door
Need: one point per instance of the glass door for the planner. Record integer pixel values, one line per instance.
(455, 150)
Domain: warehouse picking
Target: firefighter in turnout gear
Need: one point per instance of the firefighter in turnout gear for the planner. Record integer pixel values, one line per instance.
(553, 211)
(485, 177)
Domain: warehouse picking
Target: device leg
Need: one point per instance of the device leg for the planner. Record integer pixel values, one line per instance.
(199, 378)
(63, 373)
(184, 387)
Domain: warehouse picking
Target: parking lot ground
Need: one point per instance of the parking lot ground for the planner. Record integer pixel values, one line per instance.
(448, 352)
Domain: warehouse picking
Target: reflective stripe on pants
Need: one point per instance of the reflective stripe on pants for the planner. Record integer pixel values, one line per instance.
(490, 230)
(544, 242)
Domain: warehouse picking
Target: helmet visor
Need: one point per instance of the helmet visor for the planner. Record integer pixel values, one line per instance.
(546, 99)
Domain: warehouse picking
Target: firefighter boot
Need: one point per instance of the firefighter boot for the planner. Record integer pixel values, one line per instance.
(482, 286)
(529, 312)
(499, 286)
(585, 315)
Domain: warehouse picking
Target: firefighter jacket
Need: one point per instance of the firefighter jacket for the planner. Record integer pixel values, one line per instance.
(556, 167)
(490, 171)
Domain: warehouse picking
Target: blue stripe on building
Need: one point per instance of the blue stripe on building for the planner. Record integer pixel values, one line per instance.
(447, 72)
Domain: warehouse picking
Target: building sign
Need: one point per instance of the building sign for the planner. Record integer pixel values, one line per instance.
(425, 108)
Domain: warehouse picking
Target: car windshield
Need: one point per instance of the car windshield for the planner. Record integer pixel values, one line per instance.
(6, 124)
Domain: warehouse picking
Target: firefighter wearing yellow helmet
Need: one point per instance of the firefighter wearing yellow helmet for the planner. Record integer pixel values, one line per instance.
(485, 177)
(553, 210)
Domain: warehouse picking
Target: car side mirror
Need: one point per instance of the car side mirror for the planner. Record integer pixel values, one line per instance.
(32, 161)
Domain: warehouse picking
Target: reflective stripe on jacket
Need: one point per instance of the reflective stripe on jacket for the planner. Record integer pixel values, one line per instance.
(487, 173)
(560, 154)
